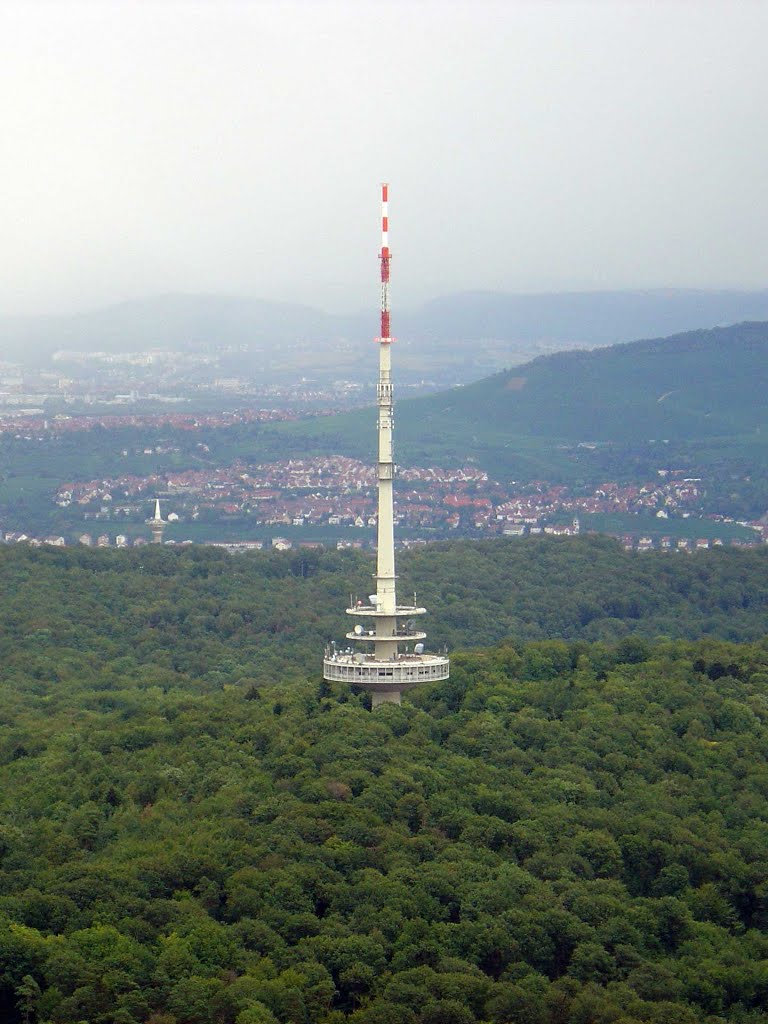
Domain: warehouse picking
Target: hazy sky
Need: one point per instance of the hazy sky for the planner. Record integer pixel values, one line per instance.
(154, 146)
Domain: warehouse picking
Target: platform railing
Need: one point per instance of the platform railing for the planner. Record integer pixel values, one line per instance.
(402, 672)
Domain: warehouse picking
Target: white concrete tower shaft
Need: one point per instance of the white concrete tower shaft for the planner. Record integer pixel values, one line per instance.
(392, 659)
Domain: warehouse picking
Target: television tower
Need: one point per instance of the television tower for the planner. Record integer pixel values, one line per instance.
(157, 524)
(388, 656)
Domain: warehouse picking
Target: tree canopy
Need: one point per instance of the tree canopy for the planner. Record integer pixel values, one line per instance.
(195, 830)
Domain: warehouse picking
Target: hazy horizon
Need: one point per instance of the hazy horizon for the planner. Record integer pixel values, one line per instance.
(237, 148)
(369, 311)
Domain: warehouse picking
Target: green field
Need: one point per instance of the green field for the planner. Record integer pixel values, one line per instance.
(620, 524)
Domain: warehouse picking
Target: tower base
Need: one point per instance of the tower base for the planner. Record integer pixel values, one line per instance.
(384, 697)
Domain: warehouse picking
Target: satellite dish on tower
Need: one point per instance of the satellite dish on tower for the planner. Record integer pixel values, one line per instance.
(419, 649)
(358, 629)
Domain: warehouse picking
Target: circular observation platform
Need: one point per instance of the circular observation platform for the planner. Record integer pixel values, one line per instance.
(400, 673)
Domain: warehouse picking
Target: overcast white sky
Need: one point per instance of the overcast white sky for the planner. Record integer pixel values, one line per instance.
(148, 147)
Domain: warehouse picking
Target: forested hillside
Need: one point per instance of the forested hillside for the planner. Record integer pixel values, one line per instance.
(693, 385)
(701, 384)
(259, 616)
(693, 400)
(195, 830)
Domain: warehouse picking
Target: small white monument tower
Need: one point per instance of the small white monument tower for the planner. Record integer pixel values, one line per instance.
(157, 524)
(386, 655)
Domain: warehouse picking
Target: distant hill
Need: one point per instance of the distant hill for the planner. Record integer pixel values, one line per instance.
(709, 383)
(581, 318)
(169, 322)
(510, 327)
(702, 391)
(698, 384)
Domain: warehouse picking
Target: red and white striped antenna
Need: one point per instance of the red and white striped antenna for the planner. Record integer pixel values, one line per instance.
(384, 257)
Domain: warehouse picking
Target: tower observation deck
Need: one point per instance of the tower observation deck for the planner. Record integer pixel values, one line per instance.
(386, 654)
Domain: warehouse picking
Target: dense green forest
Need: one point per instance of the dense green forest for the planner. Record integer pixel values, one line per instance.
(194, 829)
(259, 615)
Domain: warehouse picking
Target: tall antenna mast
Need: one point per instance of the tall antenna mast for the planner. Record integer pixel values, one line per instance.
(384, 257)
(385, 567)
(392, 657)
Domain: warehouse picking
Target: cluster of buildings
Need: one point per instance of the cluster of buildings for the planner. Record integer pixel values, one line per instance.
(103, 540)
(673, 493)
(687, 544)
(330, 490)
(336, 491)
(121, 540)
